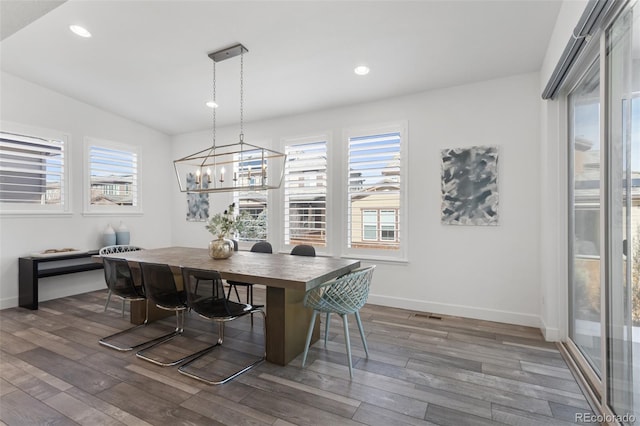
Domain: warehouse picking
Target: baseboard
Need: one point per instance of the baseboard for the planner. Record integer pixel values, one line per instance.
(551, 334)
(516, 318)
(9, 302)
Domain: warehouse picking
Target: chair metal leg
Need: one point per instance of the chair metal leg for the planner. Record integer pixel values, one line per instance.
(105, 340)
(364, 341)
(183, 368)
(106, 305)
(220, 332)
(250, 299)
(152, 342)
(234, 287)
(347, 342)
(178, 331)
(309, 333)
(326, 329)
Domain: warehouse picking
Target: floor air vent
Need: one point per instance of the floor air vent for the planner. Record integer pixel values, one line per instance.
(427, 315)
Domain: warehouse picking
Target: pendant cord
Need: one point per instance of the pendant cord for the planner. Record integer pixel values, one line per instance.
(242, 96)
(213, 134)
(215, 105)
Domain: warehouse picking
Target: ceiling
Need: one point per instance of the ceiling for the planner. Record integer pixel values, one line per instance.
(147, 60)
(16, 14)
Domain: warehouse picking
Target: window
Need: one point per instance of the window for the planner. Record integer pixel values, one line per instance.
(388, 225)
(305, 192)
(374, 191)
(252, 205)
(366, 214)
(370, 225)
(113, 177)
(32, 171)
(379, 225)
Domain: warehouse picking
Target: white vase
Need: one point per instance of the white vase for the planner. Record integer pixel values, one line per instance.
(108, 236)
(220, 248)
(122, 234)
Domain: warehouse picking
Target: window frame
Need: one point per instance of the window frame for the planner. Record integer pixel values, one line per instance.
(110, 210)
(401, 254)
(28, 209)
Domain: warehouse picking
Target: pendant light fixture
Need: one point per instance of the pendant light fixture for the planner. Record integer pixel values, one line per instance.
(238, 166)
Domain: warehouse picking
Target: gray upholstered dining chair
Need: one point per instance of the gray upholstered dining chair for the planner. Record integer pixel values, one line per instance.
(205, 296)
(343, 295)
(115, 250)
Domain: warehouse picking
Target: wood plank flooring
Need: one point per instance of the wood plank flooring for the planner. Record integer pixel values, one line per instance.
(421, 371)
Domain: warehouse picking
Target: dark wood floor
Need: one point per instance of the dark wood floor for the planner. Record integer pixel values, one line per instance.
(422, 371)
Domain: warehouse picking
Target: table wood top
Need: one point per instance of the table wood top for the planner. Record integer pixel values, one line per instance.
(272, 270)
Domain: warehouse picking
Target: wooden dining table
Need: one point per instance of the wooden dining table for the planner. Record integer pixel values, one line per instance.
(285, 277)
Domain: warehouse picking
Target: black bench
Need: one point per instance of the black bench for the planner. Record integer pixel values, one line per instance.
(33, 267)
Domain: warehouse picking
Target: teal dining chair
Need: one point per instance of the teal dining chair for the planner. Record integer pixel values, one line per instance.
(343, 295)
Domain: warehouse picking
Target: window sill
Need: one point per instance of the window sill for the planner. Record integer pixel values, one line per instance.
(366, 258)
(373, 258)
(114, 213)
(31, 213)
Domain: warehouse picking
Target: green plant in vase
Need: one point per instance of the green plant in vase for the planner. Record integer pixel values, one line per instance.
(222, 225)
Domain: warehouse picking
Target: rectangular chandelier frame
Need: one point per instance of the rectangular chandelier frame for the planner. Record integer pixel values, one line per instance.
(234, 167)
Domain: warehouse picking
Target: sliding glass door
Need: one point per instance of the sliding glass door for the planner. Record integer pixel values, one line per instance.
(604, 219)
(623, 275)
(585, 328)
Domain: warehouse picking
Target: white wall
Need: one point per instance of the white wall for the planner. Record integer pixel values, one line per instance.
(553, 185)
(489, 273)
(28, 104)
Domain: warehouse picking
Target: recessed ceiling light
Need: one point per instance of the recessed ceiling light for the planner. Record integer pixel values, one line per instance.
(361, 70)
(212, 104)
(81, 31)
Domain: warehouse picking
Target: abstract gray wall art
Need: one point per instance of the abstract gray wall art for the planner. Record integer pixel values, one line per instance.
(197, 204)
(470, 186)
